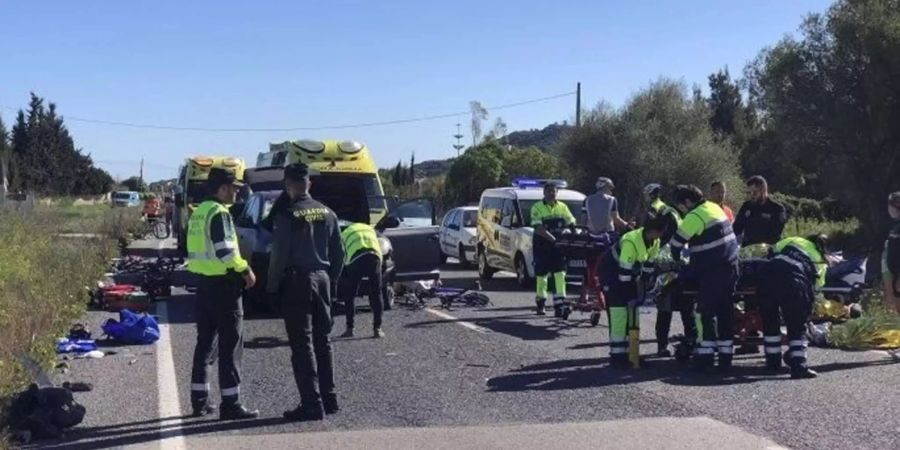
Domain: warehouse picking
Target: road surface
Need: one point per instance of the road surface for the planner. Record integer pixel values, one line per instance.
(494, 377)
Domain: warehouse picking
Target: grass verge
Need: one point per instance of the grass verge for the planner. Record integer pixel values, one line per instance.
(43, 279)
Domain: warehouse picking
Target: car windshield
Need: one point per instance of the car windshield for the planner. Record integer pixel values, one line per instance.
(470, 218)
(122, 196)
(352, 197)
(574, 208)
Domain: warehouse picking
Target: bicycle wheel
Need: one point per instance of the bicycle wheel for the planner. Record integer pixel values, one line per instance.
(160, 230)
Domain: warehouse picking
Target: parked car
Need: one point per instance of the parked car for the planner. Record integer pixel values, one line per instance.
(126, 199)
(505, 233)
(458, 236)
(410, 253)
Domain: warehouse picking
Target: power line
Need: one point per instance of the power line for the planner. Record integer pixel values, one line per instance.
(316, 128)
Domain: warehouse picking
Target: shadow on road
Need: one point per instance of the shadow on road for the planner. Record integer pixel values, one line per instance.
(522, 326)
(106, 437)
(596, 372)
(264, 342)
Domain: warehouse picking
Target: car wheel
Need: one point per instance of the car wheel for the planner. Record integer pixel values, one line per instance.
(462, 257)
(443, 258)
(522, 277)
(484, 271)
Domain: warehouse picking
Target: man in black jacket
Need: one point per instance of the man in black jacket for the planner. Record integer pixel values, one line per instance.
(760, 220)
(306, 262)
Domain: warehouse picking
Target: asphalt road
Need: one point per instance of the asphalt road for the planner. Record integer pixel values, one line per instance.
(493, 377)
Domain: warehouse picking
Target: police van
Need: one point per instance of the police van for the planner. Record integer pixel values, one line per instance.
(504, 229)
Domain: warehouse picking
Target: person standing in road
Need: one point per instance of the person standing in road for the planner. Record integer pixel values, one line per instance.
(214, 258)
(760, 220)
(717, 193)
(714, 262)
(890, 258)
(547, 216)
(170, 213)
(602, 209)
(305, 264)
(787, 285)
(362, 260)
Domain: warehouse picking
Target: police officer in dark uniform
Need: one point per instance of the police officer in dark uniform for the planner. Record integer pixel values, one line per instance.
(306, 262)
(220, 273)
(760, 220)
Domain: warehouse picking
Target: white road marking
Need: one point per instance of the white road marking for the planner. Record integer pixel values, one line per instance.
(169, 405)
(456, 320)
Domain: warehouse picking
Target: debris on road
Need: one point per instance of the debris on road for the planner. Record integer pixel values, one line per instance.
(132, 328)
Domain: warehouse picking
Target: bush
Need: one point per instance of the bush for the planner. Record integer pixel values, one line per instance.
(844, 235)
(807, 208)
(42, 283)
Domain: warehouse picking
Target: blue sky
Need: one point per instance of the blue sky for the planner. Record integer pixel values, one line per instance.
(284, 64)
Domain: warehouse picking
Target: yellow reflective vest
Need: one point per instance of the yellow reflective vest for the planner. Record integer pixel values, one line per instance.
(358, 237)
(206, 257)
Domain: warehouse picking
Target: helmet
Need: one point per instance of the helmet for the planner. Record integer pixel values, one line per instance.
(652, 188)
(604, 182)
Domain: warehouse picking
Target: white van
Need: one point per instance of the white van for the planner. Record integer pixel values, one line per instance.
(504, 231)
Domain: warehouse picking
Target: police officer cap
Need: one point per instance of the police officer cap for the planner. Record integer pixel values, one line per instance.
(219, 177)
(296, 172)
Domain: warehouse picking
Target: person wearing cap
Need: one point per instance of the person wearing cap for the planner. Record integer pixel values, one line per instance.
(714, 263)
(602, 209)
(548, 216)
(890, 259)
(305, 264)
(221, 273)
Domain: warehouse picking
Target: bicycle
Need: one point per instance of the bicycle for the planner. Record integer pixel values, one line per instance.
(447, 296)
(156, 227)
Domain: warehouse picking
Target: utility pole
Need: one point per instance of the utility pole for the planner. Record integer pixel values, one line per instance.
(458, 136)
(578, 105)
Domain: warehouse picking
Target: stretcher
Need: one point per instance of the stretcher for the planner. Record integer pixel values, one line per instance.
(579, 243)
(747, 320)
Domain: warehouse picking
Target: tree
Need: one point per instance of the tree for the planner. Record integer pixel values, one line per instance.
(830, 102)
(397, 176)
(44, 158)
(5, 154)
(411, 178)
(491, 165)
(499, 130)
(725, 104)
(134, 184)
(661, 135)
(479, 114)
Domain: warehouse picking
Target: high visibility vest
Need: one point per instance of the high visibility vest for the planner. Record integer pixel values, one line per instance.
(803, 252)
(551, 217)
(202, 257)
(631, 251)
(660, 208)
(358, 237)
(708, 231)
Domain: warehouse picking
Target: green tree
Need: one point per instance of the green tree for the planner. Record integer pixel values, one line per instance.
(661, 135)
(491, 165)
(831, 103)
(134, 184)
(5, 155)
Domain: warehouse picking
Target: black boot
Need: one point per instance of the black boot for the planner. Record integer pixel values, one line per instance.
(541, 305)
(662, 350)
(330, 404)
(703, 363)
(725, 362)
(773, 363)
(801, 372)
(618, 360)
(201, 410)
(305, 413)
(236, 411)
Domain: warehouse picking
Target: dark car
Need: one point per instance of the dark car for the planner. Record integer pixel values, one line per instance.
(409, 244)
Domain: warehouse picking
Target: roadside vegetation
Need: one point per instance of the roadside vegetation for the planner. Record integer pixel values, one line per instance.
(43, 280)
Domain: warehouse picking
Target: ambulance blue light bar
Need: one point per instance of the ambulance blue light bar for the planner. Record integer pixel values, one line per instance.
(525, 183)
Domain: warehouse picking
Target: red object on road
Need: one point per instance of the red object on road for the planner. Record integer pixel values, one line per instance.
(123, 296)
